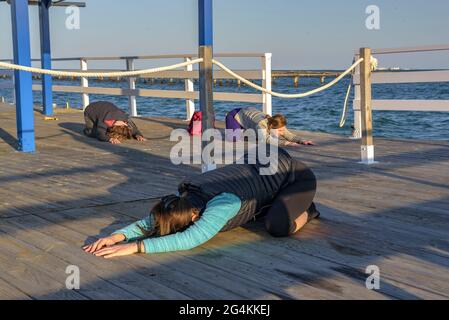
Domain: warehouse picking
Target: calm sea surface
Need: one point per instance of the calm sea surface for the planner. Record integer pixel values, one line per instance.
(316, 113)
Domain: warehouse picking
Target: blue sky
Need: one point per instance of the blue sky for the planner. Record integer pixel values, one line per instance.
(301, 34)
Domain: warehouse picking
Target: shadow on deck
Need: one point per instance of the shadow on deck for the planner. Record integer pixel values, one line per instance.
(392, 215)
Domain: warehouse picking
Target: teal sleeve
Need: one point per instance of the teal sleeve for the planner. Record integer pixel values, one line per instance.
(219, 211)
(134, 231)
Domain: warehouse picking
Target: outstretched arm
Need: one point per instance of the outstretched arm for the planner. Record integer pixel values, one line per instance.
(288, 136)
(134, 230)
(291, 137)
(265, 135)
(219, 211)
(130, 233)
(135, 129)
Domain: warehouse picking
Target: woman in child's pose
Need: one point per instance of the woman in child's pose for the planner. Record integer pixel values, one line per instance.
(252, 118)
(106, 122)
(217, 201)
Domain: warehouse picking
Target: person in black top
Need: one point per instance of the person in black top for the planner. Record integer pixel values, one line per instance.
(106, 122)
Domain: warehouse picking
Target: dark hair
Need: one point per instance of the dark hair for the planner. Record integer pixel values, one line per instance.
(276, 122)
(171, 215)
(120, 133)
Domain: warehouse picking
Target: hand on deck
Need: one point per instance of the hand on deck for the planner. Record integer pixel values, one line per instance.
(295, 144)
(308, 143)
(104, 242)
(140, 138)
(117, 251)
(114, 141)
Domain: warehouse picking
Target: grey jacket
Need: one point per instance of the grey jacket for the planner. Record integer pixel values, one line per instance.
(252, 118)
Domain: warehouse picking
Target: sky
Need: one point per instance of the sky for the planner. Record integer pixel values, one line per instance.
(301, 34)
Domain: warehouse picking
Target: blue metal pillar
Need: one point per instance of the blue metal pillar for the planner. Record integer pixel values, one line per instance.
(23, 81)
(44, 22)
(206, 70)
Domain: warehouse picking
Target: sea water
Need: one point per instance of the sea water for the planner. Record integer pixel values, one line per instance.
(320, 112)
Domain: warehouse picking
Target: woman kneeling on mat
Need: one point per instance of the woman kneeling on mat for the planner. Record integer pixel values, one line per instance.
(219, 201)
(106, 122)
(252, 118)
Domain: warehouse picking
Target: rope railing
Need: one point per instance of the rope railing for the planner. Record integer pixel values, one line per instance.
(344, 113)
(86, 74)
(348, 93)
(136, 73)
(285, 95)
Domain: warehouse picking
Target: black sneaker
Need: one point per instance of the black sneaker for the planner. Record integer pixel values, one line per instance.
(313, 212)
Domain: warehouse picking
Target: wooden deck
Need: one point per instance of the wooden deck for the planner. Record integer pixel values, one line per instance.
(393, 215)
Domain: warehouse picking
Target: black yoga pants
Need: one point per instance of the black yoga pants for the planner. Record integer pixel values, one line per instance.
(89, 129)
(291, 202)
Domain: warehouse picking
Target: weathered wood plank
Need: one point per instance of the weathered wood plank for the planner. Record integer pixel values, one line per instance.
(9, 292)
(29, 271)
(170, 268)
(392, 214)
(59, 241)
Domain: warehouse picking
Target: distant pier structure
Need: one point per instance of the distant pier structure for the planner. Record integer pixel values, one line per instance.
(295, 75)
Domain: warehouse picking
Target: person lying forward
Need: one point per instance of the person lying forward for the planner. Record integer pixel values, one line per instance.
(106, 122)
(271, 127)
(219, 201)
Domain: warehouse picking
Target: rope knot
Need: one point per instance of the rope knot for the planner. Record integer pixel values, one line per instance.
(374, 63)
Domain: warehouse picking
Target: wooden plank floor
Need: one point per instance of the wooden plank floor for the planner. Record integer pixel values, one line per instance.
(393, 215)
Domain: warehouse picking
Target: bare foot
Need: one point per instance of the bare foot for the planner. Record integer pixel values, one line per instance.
(301, 221)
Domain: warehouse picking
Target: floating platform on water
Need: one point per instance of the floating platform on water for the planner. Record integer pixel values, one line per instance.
(393, 215)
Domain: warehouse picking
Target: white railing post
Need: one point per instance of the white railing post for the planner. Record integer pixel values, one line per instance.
(267, 84)
(132, 86)
(356, 105)
(84, 83)
(189, 87)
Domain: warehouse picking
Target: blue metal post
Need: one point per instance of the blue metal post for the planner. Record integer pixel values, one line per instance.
(44, 22)
(206, 23)
(206, 70)
(23, 81)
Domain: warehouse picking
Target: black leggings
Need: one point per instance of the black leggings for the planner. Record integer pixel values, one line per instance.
(291, 202)
(89, 128)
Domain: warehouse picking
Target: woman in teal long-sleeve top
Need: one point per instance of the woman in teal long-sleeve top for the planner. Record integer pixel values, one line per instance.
(219, 201)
